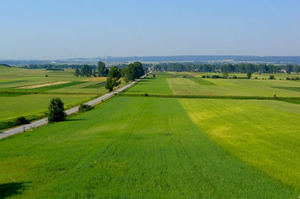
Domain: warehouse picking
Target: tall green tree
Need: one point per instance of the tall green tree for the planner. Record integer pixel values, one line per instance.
(56, 111)
(134, 71)
(77, 72)
(86, 70)
(249, 74)
(289, 69)
(114, 76)
(102, 70)
(124, 74)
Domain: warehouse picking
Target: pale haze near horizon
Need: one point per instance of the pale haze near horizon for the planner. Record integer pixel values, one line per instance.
(68, 29)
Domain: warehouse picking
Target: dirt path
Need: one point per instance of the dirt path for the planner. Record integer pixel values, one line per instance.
(43, 85)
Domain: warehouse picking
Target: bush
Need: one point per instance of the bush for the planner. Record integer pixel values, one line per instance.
(234, 77)
(271, 77)
(146, 94)
(85, 107)
(56, 111)
(46, 75)
(22, 120)
(215, 76)
(153, 75)
(287, 78)
(249, 74)
(203, 76)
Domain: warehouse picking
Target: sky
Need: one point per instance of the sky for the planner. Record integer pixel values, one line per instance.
(58, 29)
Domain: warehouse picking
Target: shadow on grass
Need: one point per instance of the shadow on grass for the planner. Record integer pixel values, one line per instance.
(13, 188)
(72, 120)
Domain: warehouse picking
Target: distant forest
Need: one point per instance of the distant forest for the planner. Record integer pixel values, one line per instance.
(189, 67)
(231, 68)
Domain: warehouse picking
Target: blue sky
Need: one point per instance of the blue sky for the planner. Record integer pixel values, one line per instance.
(55, 29)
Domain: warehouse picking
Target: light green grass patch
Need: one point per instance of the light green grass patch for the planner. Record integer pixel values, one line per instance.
(151, 85)
(264, 134)
(233, 87)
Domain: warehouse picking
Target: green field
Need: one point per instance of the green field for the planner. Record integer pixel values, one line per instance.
(138, 146)
(171, 83)
(19, 98)
(153, 150)
(249, 130)
(14, 106)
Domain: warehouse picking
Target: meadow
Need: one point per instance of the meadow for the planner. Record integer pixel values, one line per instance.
(27, 92)
(191, 84)
(147, 146)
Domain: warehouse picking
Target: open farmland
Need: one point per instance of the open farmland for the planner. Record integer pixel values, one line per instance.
(153, 150)
(27, 92)
(148, 146)
(181, 84)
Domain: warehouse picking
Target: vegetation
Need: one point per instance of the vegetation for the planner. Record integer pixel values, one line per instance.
(249, 131)
(72, 91)
(56, 111)
(102, 70)
(155, 148)
(249, 74)
(238, 142)
(113, 78)
(84, 107)
(230, 68)
(22, 120)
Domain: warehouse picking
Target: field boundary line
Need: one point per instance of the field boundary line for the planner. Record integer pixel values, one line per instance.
(210, 97)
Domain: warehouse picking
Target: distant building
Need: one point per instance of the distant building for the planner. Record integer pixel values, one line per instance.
(283, 70)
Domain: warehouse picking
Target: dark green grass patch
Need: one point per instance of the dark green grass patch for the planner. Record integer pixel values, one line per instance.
(291, 100)
(297, 89)
(199, 80)
(13, 82)
(98, 85)
(53, 87)
(209, 96)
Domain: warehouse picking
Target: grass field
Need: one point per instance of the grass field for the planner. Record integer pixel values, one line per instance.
(170, 147)
(249, 130)
(14, 106)
(149, 147)
(235, 87)
(174, 83)
(151, 85)
(33, 101)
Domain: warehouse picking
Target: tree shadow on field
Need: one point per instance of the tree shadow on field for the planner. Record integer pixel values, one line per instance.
(136, 91)
(12, 188)
(72, 120)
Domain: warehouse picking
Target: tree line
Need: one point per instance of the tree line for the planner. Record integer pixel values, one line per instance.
(129, 72)
(231, 68)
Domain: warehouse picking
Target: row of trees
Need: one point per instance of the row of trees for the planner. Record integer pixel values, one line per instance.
(231, 68)
(86, 70)
(130, 73)
(89, 71)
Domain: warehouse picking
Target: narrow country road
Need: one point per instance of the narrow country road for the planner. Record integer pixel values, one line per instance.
(41, 122)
